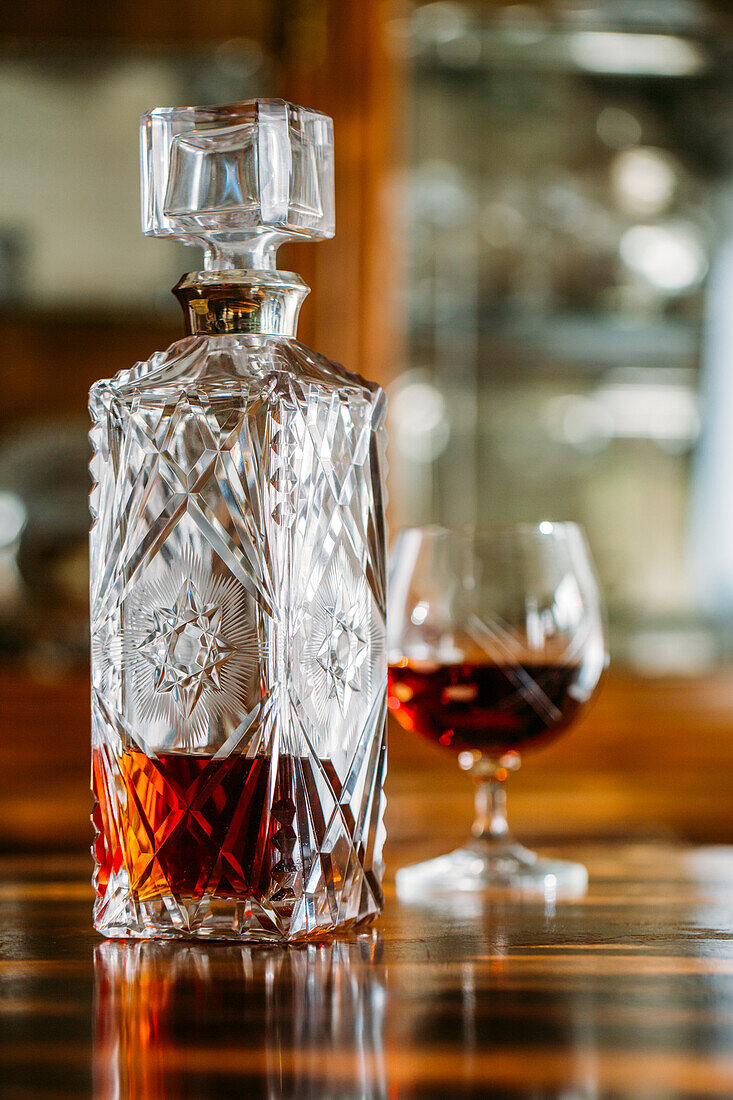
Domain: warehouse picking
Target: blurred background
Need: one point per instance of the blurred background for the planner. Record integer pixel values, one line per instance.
(534, 254)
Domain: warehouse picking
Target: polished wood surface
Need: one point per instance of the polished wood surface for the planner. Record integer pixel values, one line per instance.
(628, 992)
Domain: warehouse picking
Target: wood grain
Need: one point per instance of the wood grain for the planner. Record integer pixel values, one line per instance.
(628, 992)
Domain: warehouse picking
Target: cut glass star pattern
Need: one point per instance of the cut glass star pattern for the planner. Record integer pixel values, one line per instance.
(190, 653)
(186, 649)
(343, 650)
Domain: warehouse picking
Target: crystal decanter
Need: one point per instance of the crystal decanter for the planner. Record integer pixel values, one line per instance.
(237, 568)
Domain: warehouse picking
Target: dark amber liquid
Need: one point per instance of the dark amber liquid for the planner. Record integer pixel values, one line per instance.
(191, 825)
(487, 707)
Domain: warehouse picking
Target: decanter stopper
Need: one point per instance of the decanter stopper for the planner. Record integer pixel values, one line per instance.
(237, 180)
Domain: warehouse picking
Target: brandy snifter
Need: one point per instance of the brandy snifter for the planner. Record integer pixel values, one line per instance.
(496, 644)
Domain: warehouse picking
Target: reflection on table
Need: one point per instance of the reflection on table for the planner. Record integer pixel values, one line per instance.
(306, 1022)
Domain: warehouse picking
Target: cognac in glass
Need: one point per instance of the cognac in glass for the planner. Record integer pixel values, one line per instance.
(496, 643)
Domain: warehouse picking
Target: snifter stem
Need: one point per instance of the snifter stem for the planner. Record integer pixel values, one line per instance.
(492, 861)
(489, 777)
(490, 822)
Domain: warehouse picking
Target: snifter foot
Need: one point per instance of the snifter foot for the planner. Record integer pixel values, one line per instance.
(503, 870)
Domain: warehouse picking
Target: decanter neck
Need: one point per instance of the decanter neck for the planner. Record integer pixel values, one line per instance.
(219, 302)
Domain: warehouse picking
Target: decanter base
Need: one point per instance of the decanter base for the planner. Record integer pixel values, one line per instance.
(233, 920)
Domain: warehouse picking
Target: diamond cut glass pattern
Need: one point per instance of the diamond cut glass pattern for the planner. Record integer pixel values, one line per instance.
(238, 655)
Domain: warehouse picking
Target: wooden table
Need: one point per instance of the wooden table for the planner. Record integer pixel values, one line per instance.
(627, 993)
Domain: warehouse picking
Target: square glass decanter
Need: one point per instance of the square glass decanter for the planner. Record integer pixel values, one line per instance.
(237, 568)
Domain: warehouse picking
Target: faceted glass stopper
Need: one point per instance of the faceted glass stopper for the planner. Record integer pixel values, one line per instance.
(238, 179)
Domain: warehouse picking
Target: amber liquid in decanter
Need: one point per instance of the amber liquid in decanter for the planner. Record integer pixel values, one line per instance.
(199, 825)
